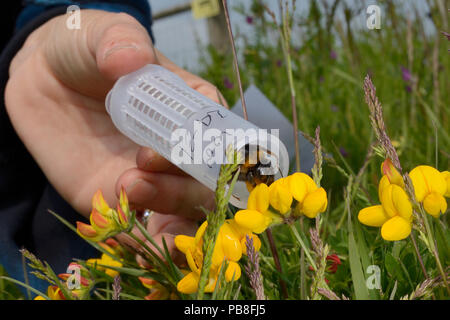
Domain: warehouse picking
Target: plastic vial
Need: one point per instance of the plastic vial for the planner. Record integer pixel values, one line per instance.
(155, 108)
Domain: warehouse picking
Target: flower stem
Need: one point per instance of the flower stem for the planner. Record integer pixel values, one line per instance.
(155, 259)
(235, 60)
(285, 35)
(285, 44)
(147, 236)
(276, 259)
(433, 249)
(302, 244)
(416, 249)
(302, 275)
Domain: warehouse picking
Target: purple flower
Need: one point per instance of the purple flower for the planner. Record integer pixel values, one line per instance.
(334, 108)
(321, 79)
(227, 83)
(406, 75)
(279, 63)
(333, 55)
(343, 152)
(249, 19)
(408, 88)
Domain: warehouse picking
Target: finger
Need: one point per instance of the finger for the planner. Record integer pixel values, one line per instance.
(177, 257)
(167, 223)
(193, 81)
(166, 193)
(107, 46)
(123, 47)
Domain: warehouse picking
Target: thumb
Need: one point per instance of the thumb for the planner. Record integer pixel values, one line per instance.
(107, 46)
(123, 47)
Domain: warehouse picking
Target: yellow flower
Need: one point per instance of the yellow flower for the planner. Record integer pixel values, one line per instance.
(228, 247)
(54, 293)
(233, 271)
(394, 177)
(259, 198)
(280, 197)
(446, 175)
(384, 183)
(394, 215)
(103, 263)
(300, 184)
(315, 202)
(253, 220)
(395, 202)
(257, 217)
(230, 243)
(157, 290)
(104, 221)
(435, 204)
(430, 186)
(189, 283)
(311, 199)
(396, 228)
(86, 231)
(123, 210)
(242, 234)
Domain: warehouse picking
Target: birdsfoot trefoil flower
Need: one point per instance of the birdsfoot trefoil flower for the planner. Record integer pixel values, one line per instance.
(106, 222)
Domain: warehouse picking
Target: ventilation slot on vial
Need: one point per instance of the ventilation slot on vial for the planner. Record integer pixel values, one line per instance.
(162, 146)
(184, 93)
(148, 111)
(163, 98)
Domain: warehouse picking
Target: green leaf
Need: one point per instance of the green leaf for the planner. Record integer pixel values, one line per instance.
(393, 267)
(365, 259)
(130, 271)
(346, 76)
(218, 290)
(20, 283)
(359, 281)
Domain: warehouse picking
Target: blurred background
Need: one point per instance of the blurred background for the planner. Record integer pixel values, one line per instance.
(184, 37)
(332, 51)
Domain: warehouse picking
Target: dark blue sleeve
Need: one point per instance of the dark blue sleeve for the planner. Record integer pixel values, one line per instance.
(139, 9)
(25, 193)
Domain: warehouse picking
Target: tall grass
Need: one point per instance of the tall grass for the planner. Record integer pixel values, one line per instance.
(410, 69)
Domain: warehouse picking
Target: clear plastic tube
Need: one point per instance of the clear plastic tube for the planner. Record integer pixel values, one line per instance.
(155, 108)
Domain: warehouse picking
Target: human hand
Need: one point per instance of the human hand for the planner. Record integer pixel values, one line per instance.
(55, 100)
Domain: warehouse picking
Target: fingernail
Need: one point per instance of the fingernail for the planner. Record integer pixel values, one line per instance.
(140, 192)
(118, 47)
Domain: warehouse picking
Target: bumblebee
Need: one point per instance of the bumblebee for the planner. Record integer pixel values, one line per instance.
(252, 172)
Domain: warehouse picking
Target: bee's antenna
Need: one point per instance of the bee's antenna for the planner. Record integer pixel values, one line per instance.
(281, 173)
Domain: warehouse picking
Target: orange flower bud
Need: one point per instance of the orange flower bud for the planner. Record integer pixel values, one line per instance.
(388, 169)
(87, 232)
